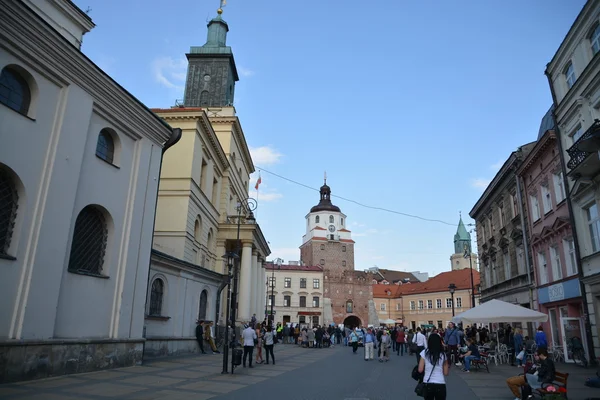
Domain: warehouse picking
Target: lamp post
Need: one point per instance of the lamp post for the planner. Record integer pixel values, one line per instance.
(451, 289)
(247, 206)
(468, 253)
(278, 261)
(230, 258)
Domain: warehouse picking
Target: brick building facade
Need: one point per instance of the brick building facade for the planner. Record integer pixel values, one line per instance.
(348, 294)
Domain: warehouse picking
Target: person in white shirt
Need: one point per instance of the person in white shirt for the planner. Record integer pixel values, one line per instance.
(421, 341)
(434, 367)
(248, 337)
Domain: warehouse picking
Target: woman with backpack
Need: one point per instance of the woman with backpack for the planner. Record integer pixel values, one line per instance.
(434, 367)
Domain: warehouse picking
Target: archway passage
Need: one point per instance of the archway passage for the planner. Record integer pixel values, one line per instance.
(352, 322)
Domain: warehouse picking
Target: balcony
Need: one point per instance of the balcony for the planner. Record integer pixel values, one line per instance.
(580, 163)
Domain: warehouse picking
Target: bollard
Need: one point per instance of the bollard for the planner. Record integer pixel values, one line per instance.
(237, 356)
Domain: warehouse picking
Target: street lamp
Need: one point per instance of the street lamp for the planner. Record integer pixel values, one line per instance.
(468, 253)
(277, 262)
(451, 289)
(230, 258)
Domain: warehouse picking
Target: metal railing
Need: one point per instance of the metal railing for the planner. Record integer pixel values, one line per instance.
(577, 156)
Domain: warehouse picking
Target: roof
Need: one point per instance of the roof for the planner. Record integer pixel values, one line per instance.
(439, 283)
(547, 122)
(394, 276)
(292, 267)
(325, 203)
(461, 232)
(381, 291)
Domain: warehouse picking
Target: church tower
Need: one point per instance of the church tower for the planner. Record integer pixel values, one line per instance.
(462, 248)
(211, 74)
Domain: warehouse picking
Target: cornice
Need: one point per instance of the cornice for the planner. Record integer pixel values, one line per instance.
(547, 140)
(48, 52)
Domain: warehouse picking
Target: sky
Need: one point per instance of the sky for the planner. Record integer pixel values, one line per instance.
(409, 106)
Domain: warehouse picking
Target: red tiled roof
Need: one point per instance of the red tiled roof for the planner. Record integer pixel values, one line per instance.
(439, 283)
(286, 267)
(381, 291)
(319, 228)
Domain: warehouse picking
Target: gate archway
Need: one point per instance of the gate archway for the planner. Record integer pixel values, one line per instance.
(352, 321)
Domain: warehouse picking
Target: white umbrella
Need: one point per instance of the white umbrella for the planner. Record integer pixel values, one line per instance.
(387, 321)
(499, 311)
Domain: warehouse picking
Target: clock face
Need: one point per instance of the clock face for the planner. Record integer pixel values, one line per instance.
(331, 228)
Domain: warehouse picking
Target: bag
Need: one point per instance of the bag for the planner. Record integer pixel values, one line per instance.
(526, 392)
(413, 347)
(421, 388)
(521, 355)
(416, 375)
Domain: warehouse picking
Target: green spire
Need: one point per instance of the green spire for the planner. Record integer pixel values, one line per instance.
(217, 32)
(462, 238)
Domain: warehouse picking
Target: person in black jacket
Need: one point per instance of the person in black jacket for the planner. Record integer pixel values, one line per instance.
(199, 335)
(545, 374)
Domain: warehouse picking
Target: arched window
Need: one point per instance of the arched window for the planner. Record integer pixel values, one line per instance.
(209, 240)
(14, 90)
(342, 221)
(9, 202)
(156, 297)
(203, 305)
(595, 39)
(317, 219)
(105, 146)
(204, 98)
(331, 219)
(198, 229)
(90, 237)
(349, 306)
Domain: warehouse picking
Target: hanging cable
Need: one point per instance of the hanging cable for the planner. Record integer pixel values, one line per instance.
(356, 202)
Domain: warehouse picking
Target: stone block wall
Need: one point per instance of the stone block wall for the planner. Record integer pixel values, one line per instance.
(160, 347)
(27, 360)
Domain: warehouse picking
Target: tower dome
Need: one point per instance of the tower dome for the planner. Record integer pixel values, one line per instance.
(325, 203)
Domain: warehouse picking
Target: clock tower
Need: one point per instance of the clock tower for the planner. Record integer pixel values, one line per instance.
(348, 294)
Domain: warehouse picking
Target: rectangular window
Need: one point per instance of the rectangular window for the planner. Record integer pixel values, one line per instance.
(412, 305)
(287, 282)
(302, 283)
(487, 272)
(430, 322)
(302, 301)
(397, 306)
(459, 302)
(570, 75)
(491, 225)
(535, 207)
(595, 40)
(577, 133)
(593, 220)
(382, 306)
(429, 304)
(420, 304)
(501, 215)
(438, 303)
(439, 324)
(559, 187)
(556, 266)
(569, 249)
(315, 320)
(343, 249)
(482, 229)
(515, 205)
(287, 301)
(316, 301)
(493, 272)
(302, 319)
(546, 199)
(316, 283)
(507, 274)
(271, 300)
(449, 302)
(272, 281)
(521, 260)
(542, 268)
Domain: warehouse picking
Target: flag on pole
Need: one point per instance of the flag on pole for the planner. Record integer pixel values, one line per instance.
(258, 182)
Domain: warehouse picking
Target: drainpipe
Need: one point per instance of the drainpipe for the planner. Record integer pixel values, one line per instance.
(525, 240)
(563, 165)
(173, 139)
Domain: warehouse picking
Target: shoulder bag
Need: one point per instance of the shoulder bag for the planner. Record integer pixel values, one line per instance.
(421, 388)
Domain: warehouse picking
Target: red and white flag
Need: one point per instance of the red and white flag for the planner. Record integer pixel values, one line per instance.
(258, 182)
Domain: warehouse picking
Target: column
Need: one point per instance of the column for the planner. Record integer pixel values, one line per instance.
(245, 283)
(221, 264)
(263, 287)
(254, 292)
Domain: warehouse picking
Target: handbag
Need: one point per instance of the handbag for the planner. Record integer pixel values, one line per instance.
(421, 388)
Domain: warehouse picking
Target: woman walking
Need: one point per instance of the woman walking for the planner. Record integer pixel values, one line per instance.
(434, 367)
(268, 338)
(259, 345)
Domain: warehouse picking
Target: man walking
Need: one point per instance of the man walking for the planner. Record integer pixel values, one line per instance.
(248, 338)
(369, 345)
(421, 341)
(200, 335)
(452, 339)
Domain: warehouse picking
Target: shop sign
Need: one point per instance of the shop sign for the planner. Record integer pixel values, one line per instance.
(559, 291)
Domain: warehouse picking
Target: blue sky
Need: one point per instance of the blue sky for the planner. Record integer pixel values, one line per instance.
(410, 106)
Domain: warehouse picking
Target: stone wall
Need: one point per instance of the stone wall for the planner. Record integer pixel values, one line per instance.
(26, 360)
(159, 347)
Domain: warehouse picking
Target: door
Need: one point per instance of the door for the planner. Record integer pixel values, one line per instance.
(286, 319)
(572, 327)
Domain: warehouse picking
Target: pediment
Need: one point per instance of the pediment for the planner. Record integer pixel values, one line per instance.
(536, 238)
(560, 223)
(516, 234)
(581, 185)
(546, 232)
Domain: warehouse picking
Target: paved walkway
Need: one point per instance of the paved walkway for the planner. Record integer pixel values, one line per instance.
(195, 377)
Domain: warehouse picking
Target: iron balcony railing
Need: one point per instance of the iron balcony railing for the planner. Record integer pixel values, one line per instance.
(577, 156)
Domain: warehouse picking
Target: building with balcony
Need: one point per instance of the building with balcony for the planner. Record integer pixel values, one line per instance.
(574, 77)
(296, 293)
(203, 209)
(501, 226)
(79, 165)
(552, 244)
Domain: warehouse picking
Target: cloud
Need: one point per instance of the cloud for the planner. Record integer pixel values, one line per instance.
(265, 155)
(480, 183)
(170, 72)
(245, 71)
(287, 253)
(497, 166)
